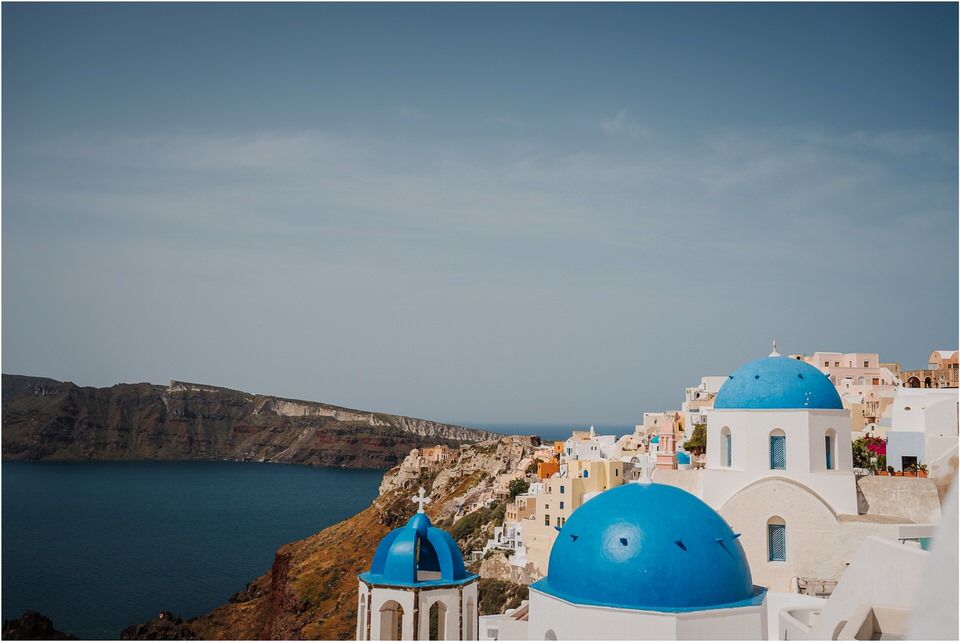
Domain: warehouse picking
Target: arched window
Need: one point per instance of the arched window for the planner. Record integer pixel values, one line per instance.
(550, 635)
(470, 616)
(438, 621)
(391, 621)
(829, 448)
(778, 450)
(362, 619)
(776, 539)
(726, 447)
(586, 473)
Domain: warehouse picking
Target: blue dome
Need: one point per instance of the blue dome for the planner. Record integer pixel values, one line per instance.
(683, 458)
(415, 554)
(648, 546)
(778, 382)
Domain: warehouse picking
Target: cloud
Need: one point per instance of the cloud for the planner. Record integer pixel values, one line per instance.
(276, 251)
(621, 125)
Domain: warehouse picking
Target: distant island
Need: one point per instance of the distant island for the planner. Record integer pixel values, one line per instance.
(45, 419)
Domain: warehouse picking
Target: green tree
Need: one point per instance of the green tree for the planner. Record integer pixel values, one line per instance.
(532, 468)
(697, 444)
(516, 487)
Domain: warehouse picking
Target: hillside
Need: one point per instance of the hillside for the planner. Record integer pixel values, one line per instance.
(311, 590)
(48, 419)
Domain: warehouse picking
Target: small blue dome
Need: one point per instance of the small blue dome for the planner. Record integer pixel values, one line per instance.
(778, 382)
(655, 440)
(417, 547)
(648, 546)
(683, 458)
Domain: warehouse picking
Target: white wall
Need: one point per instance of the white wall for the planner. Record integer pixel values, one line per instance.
(818, 542)
(806, 462)
(581, 622)
(882, 572)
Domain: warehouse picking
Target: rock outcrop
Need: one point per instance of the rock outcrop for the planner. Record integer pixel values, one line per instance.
(48, 419)
(165, 626)
(33, 626)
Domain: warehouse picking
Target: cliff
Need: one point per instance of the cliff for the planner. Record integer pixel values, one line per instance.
(48, 419)
(310, 592)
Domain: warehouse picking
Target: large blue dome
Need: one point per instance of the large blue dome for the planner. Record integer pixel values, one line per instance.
(417, 553)
(649, 546)
(778, 382)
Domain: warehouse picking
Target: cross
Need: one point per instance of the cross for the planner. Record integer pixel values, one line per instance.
(420, 499)
(645, 467)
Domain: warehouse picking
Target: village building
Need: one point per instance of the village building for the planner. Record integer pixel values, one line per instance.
(417, 587)
(941, 371)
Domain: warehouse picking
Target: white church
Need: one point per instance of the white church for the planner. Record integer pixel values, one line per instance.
(694, 557)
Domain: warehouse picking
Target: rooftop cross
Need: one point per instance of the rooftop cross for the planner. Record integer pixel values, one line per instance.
(421, 499)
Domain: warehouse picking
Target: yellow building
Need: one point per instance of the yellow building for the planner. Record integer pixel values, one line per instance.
(579, 481)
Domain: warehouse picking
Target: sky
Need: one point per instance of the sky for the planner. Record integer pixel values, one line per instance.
(562, 213)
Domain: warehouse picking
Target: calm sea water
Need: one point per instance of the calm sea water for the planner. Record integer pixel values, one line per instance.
(97, 546)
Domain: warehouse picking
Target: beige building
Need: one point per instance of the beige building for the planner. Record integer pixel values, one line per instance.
(941, 372)
(577, 482)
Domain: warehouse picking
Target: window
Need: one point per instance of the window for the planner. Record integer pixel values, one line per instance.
(836, 364)
(586, 473)
(561, 505)
(561, 490)
(866, 364)
(616, 472)
(546, 520)
(726, 447)
(778, 450)
(776, 540)
(829, 446)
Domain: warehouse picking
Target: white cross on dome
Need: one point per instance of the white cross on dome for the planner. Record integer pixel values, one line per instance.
(420, 499)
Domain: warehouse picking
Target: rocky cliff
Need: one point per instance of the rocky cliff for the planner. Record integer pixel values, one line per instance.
(48, 419)
(311, 590)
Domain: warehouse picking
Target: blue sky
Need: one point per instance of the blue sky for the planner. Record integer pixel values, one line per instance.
(474, 212)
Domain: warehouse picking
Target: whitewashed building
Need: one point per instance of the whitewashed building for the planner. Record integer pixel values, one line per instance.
(417, 587)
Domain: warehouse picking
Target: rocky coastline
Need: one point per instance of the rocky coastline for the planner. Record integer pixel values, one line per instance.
(310, 591)
(45, 419)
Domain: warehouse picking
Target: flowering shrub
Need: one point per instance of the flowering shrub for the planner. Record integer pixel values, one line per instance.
(866, 450)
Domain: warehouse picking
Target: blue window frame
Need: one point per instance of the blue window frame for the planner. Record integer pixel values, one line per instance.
(561, 490)
(828, 444)
(778, 452)
(777, 542)
(586, 473)
(728, 442)
(561, 505)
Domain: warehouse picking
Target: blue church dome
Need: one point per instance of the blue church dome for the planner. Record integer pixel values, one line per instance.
(652, 547)
(417, 554)
(778, 382)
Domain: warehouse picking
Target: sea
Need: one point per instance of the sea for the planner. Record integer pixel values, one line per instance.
(98, 546)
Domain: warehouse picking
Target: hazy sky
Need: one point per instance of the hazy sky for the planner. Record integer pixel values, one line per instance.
(495, 212)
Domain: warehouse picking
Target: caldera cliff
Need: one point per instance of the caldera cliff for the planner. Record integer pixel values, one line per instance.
(48, 419)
